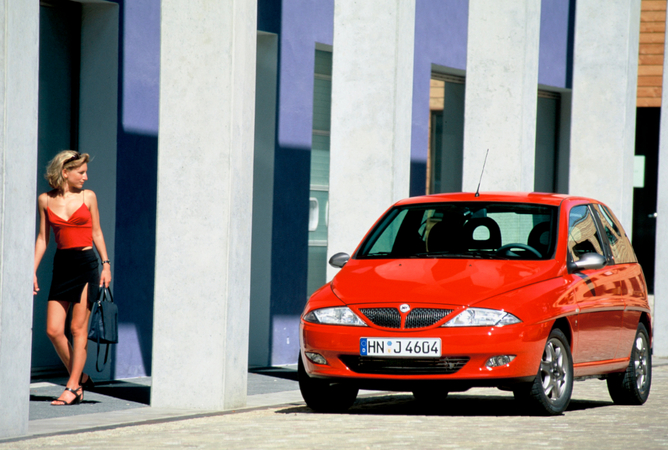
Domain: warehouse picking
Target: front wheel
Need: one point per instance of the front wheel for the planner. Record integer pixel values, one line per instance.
(322, 395)
(550, 392)
(632, 386)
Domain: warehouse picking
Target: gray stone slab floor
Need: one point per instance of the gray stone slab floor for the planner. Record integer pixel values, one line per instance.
(479, 418)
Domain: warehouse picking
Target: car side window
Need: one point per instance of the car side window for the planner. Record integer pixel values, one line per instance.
(583, 235)
(622, 251)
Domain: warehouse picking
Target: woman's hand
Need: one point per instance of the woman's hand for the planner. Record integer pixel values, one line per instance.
(105, 277)
(35, 286)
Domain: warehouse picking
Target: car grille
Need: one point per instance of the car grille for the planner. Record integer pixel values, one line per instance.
(398, 366)
(383, 317)
(416, 318)
(425, 317)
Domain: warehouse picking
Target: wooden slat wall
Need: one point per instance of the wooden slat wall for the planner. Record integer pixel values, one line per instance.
(650, 58)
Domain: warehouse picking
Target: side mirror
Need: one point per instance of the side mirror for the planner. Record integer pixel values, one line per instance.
(339, 260)
(587, 262)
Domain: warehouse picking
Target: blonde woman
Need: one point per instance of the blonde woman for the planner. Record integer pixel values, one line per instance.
(73, 215)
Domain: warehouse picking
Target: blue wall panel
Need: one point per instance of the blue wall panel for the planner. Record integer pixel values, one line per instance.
(133, 271)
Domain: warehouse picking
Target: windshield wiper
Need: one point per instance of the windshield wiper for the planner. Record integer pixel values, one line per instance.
(471, 255)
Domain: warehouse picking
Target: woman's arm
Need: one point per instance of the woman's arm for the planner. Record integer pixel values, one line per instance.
(42, 237)
(98, 238)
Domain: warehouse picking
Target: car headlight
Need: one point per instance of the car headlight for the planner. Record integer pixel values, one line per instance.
(335, 316)
(481, 317)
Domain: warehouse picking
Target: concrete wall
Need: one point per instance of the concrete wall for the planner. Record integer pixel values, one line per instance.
(661, 268)
(19, 57)
(205, 180)
(501, 93)
(372, 85)
(604, 103)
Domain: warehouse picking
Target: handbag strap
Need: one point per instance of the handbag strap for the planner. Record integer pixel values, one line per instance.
(103, 296)
(106, 353)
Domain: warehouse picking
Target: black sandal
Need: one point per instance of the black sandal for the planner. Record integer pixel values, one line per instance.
(89, 384)
(75, 401)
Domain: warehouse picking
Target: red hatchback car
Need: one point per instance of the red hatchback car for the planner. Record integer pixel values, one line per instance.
(524, 292)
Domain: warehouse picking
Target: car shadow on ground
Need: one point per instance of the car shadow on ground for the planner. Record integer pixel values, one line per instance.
(454, 405)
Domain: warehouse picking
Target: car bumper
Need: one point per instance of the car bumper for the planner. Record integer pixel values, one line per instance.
(464, 354)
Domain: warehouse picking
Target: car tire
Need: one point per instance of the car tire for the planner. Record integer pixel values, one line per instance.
(550, 392)
(323, 395)
(632, 386)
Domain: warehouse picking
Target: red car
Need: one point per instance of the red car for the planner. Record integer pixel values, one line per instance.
(524, 292)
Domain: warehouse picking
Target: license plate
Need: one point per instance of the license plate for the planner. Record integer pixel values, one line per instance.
(401, 347)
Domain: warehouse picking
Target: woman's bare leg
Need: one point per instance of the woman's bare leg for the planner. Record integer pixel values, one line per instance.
(75, 357)
(56, 314)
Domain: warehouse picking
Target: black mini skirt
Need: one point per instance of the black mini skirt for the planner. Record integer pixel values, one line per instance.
(72, 270)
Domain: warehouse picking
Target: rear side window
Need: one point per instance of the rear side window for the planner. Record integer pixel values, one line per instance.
(622, 251)
(583, 235)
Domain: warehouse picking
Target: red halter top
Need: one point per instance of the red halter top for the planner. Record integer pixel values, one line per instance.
(75, 232)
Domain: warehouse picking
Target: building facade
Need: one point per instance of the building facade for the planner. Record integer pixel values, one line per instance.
(238, 145)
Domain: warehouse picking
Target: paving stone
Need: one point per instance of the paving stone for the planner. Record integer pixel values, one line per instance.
(479, 418)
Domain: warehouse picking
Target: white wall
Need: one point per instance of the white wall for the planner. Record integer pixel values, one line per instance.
(19, 58)
(501, 94)
(605, 73)
(660, 266)
(372, 88)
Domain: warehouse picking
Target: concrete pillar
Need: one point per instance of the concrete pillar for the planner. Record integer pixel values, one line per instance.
(19, 57)
(372, 91)
(501, 94)
(205, 180)
(660, 266)
(605, 73)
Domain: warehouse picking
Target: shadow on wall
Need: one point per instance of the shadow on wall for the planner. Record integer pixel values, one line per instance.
(134, 270)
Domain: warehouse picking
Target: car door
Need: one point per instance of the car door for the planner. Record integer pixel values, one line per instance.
(598, 295)
(628, 277)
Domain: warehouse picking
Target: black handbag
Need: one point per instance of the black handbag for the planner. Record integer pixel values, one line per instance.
(103, 326)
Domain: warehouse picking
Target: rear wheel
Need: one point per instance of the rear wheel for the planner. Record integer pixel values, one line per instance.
(632, 386)
(323, 395)
(550, 392)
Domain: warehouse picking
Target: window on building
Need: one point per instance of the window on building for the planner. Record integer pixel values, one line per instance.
(319, 186)
(446, 134)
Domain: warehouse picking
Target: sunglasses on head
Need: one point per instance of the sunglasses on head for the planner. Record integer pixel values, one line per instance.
(73, 158)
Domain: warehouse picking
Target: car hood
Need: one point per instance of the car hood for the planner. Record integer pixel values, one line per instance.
(457, 282)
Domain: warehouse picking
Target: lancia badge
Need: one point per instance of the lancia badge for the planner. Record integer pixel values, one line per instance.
(404, 308)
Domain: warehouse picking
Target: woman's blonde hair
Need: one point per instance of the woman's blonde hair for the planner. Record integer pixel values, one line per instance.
(68, 160)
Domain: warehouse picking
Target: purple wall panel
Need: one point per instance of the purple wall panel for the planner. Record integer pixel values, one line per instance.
(141, 66)
(441, 29)
(556, 43)
(303, 23)
(136, 184)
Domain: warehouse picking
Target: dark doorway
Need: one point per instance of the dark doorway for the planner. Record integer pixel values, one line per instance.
(58, 129)
(644, 193)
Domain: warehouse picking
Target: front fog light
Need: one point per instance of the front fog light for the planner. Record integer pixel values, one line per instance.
(501, 360)
(316, 358)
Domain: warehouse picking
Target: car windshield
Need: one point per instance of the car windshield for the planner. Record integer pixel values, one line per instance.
(484, 230)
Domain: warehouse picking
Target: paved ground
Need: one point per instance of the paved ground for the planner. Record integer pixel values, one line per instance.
(480, 418)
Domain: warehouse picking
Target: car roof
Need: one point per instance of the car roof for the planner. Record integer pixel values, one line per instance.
(510, 197)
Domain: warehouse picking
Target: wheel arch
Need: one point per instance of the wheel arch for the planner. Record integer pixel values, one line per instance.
(564, 325)
(647, 322)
